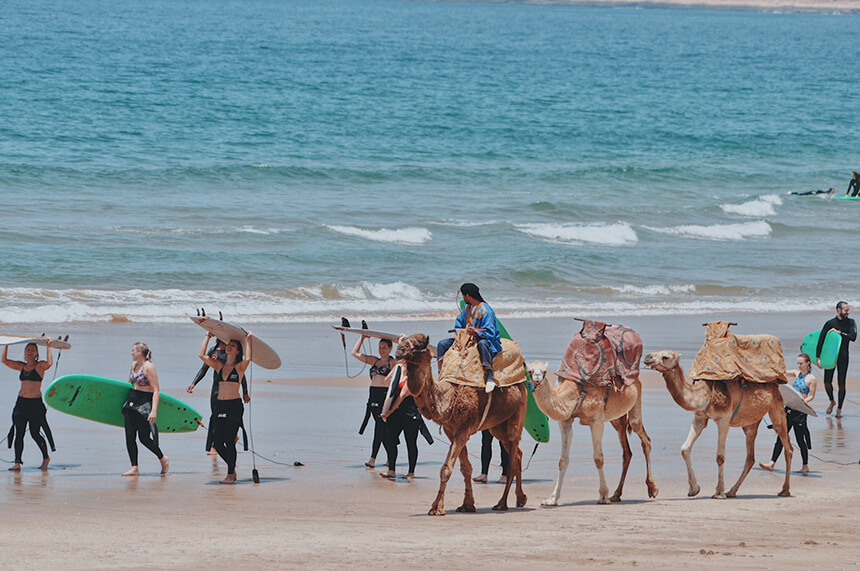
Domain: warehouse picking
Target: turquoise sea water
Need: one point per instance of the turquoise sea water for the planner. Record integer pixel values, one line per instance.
(298, 160)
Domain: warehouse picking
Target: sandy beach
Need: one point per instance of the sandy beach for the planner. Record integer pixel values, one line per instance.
(334, 513)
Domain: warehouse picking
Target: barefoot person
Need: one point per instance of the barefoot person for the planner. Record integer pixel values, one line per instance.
(228, 406)
(140, 410)
(379, 369)
(403, 416)
(805, 383)
(846, 327)
(487, 457)
(29, 408)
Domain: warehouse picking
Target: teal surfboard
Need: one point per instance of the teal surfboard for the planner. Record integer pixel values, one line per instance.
(848, 197)
(536, 423)
(101, 399)
(829, 351)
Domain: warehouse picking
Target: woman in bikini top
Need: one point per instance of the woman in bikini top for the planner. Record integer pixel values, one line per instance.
(32, 371)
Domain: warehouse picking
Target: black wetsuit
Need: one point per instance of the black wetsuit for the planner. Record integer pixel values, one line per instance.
(853, 187)
(848, 329)
(487, 453)
(29, 411)
(375, 400)
(135, 413)
(226, 424)
(405, 419)
(218, 355)
(809, 192)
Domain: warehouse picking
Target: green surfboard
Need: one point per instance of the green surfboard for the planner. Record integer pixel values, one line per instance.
(829, 351)
(848, 197)
(101, 399)
(536, 423)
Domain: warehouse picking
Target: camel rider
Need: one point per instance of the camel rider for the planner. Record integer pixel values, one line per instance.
(479, 320)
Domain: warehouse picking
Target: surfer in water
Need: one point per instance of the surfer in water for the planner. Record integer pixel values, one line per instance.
(29, 408)
(379, 369)
(805, 383)
(140, 410)
(479, 320)
(831, 190)
(403, 416)
(229, 410)
(853, 184)
(846, 327)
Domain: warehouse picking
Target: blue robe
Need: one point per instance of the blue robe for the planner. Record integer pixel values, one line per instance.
(483, 319)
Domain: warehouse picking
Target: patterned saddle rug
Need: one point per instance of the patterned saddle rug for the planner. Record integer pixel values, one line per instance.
(729, 357)
(462, 363)
(599, 354)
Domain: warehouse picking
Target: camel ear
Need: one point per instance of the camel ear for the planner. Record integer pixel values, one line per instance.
(421, 341)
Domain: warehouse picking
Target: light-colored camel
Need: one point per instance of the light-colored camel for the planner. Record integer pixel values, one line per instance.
(462, 411)
(728, 403)
(595, 406)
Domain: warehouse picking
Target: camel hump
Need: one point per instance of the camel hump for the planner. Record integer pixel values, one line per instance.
(726, 356)
(601, 353)
(462, 365)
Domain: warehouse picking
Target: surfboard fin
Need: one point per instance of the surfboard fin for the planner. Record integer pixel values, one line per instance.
(203, 311)
(344, 322)
(363, 324)
(220, 316)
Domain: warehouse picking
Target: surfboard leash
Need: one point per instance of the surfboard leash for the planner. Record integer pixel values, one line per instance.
(59, 354)
(255, 475)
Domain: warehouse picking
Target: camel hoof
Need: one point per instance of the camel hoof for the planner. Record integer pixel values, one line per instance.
(784, 494)
(434, 511)
(732, 494)
(466, 508)
(615, 499)
(500, 507)
(694, 492)
(719, 496)
(653, 491)
(602, 501)
(550, 503)
(521, 502)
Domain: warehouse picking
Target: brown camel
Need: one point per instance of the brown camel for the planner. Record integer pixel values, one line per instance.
(462, 411)
(622, 407)
(729, 403)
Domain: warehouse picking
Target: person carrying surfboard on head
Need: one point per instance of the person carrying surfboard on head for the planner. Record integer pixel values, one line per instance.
(479, 321)
(379, 369)
(140, 410)
(805, 383)
(228, 406)
(29, 408)
(846, 327)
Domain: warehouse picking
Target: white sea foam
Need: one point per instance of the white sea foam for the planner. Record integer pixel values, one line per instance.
(412, 236)
(619, 234)
(720, 232)
(655, 290)
(761, 206)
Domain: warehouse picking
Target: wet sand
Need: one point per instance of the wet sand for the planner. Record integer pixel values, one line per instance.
(334, 513)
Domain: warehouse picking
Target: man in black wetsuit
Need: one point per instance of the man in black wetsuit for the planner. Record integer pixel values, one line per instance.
(830, 190)
(854, 184)
(848, 330)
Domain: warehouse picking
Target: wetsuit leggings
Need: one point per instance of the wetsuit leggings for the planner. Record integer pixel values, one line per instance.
(375, 401)
(842, 372)
(400, 422)
(30, 411)
(213, 400)
(136, 426)
(228, 420)
(487, 453)
(796, 421)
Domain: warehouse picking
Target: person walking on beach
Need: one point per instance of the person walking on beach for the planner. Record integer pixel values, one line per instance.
(402, 417)
(228, 405)
(140, 410)
(380, 367)
(853, 184)
(846, 327)
(487, 457)
(29, 408)
(479, 320)
(805, 383)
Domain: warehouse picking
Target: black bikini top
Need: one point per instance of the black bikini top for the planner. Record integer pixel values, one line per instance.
(233, 377)
(31, 375)
(378, 369)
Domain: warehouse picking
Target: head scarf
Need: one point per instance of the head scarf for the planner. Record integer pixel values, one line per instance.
(471, 289)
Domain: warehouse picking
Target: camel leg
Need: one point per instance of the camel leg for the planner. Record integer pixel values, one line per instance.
(566, 429)
(750, 430)
(597, 443)
(699, 424)
(466, 470)
(518, 470)
(458, 442)
(722, 432)
(634, 417)
(620, 425)
(502, 433)
(780, 426)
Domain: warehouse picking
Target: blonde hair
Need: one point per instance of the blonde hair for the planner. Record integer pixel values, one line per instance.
(143, 348)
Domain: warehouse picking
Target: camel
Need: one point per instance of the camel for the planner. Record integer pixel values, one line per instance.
(462, 411)
(728, 403)
(593, 407)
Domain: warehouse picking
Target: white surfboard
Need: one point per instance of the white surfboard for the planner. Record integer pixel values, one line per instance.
(261, 353)
(393, 389)
(794, 400)
(43, 341)
(377, 335)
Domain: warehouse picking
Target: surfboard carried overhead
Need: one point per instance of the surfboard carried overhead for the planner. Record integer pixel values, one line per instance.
(261, 353)
(101, 399)
(43, 341)
(368, 333)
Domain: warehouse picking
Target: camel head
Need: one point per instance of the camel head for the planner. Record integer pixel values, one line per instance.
(662, 361)
(411, 348)
(538, 371)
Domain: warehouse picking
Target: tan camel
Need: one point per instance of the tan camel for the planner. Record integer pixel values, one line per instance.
(728, 404)
(566, 402)
(460, 411)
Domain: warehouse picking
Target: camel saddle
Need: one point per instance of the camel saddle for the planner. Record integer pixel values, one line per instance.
(600, 354)
(462, 363)
(729, 357)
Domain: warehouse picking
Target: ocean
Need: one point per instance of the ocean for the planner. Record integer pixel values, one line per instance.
(301, 160)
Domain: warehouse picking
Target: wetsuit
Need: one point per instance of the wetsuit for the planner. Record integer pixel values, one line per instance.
(374, 407)
(29, 411)
(135, 412)
(218, 355)
(405, 419)
(797, 422)
(809, 192)
(226, 424)
(853, 187)
(848, 329)
(487, 453)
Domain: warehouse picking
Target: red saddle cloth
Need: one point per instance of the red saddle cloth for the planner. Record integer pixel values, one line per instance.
(601, 353)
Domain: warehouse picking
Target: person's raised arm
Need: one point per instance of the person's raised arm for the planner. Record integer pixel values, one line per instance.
(356, 352)
(16, 365)
(205, 357)
(46, 365)
(247, 355)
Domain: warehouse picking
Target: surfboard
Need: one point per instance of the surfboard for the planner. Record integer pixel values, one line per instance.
(393, 389)
(101, 399)
(261, 353)
(536, 423)
(368, 333)
(794, 400)
(829, 351)
(43, 341)
(848, 197)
